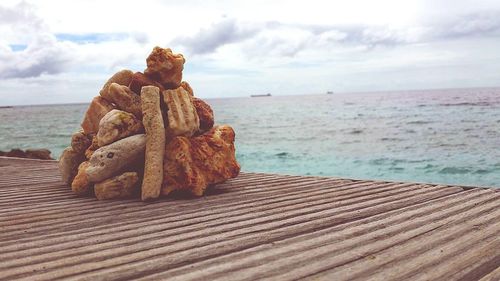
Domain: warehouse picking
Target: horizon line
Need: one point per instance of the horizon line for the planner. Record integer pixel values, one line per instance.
(286, 95)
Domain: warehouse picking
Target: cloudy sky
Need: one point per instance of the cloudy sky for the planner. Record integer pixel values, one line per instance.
(63, 51)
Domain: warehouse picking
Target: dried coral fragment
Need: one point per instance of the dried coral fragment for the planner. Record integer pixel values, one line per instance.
(187, 87)
(97, 109)
(140, 80)
(121, 186)
(194, 163)
(205, 114)
(182, 117)
(81, 141)
(92, 148)
(165, 67)
(116, 125)
(124, 99)
(155, 142)
(122, 77)
(68, 164)
(81, 184)
(111, 159)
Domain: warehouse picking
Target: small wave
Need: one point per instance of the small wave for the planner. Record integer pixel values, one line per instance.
(356, 132)
(418, 122)
(350, 142)
(378, 161)
(454, 170)
(396, 168)
(480, 103)
(391, 139)
(452, 145)
(482, 171)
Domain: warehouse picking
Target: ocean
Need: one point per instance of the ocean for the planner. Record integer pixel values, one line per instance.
(436, 136)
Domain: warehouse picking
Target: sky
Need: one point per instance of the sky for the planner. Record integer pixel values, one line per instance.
(63, 51)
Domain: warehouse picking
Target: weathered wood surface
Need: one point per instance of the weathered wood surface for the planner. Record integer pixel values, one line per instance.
(258, 226)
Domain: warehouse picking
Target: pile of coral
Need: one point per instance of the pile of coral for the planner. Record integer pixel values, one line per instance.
(147, 134)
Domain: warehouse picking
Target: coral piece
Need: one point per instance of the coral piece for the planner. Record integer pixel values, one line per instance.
(185, 85)
(121, 186)
(194, 163)
(80, 141)
(124, 99)
(155, 142)
(116, 125)
(165, 67)
(122, 77)
(81, 184)
(68, 164)
(92, 148)
(205, 114)
(182, 117)
(97, 109)
(111, 159)
(140, 80)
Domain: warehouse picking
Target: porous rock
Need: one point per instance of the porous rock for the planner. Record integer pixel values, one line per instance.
(117, 124)
(205, 114)
(68, 164)
(155, 143)
(122, 77)
(92, 148)
(121, 186)
(140, 80)
(81, 184)
(97, 109)
(124, 99)
(80, 141)
(165, 67)
(182, 117)
(194, 163)
(109, 160)
(185, 85)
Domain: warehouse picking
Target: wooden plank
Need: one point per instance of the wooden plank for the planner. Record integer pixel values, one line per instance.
(287, 253)
(257, 226)
(492, 276)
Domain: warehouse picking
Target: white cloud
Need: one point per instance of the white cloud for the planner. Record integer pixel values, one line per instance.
(43, 53)
(236, 48)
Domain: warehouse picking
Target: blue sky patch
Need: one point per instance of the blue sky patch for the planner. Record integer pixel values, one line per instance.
(86, 38)
(18, 47)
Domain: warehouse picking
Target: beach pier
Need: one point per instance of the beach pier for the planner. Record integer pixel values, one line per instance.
(254, 227)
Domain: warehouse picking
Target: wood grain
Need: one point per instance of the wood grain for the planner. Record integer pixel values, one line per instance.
(257, 226)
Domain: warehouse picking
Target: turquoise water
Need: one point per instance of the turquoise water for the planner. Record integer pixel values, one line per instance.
(440, 136)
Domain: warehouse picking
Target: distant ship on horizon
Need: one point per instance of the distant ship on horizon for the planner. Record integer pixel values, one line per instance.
(256, 96)
(329, 93)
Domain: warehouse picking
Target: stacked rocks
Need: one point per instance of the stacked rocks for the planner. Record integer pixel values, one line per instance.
(147, 134)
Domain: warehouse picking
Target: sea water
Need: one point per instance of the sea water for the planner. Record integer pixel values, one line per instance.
(437, 136)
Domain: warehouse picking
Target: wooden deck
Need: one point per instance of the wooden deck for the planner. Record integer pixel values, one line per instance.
(255, 227)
